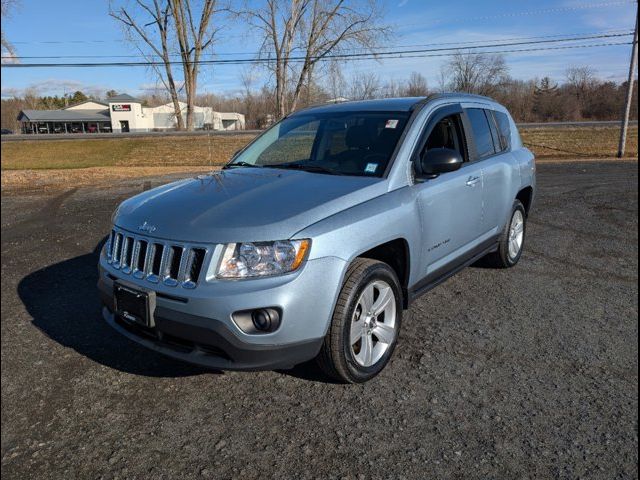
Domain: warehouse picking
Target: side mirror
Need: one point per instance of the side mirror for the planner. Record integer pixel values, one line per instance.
(439, 160)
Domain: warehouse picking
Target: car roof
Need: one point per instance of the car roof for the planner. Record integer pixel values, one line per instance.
(401, 104)
(404, 104)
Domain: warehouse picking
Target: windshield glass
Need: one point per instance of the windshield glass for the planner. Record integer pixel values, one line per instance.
(344, 143)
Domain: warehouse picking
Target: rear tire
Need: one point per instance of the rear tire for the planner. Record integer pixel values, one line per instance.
(512, 239)
(365, 324)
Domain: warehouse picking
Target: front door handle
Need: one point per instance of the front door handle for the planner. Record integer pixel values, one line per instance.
(471, 181)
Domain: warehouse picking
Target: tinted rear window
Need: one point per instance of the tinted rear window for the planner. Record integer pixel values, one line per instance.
(481, 132)
(504, 129)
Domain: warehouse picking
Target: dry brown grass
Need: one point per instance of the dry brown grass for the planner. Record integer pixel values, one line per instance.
(128, 152)
(53, 163)
(576, 142)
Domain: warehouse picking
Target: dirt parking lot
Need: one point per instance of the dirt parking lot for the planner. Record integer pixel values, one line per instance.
(525, 373)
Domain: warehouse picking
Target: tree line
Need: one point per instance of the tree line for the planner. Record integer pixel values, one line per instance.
(580, 95)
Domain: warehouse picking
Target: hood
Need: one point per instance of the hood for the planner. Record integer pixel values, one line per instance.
(243, 205)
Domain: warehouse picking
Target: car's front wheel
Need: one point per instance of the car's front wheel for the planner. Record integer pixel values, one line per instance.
(365, 324)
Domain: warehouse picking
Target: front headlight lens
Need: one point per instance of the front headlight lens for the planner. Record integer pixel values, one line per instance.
(261, 259)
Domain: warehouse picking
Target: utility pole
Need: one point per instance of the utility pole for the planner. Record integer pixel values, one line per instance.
(627, 106)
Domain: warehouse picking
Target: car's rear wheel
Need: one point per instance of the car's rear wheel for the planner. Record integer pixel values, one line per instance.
(512, 239)
(365, 324)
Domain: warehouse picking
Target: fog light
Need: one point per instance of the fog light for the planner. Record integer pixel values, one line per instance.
(258, 321)
(265, 319)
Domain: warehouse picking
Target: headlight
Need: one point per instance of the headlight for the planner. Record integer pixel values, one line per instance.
(261, 259)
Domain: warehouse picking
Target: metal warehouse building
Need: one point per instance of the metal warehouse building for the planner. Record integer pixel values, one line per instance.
(122, 113)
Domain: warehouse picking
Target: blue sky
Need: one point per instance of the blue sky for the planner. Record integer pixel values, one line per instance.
(416, 22)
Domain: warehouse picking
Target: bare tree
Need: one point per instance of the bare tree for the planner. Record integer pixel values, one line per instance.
(156, 35)
(364, 86)
(416, 86)
(158, 23)
(301, 33)
(195, 33)
(580, 78)
(581, 81)
(336, 83)
(475, 73)
(8, 50)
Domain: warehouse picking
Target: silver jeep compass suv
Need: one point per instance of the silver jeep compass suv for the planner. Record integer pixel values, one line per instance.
(317, 235)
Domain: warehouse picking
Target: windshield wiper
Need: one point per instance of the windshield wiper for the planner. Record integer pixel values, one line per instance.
(241, 164)
(306, 168)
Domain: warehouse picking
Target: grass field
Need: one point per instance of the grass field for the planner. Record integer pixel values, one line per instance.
(203, 151)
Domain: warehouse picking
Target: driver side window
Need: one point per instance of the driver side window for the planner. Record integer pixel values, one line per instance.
(447, 133)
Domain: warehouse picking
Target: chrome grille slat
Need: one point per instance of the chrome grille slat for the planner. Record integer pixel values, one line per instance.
(125, 257)
(165, 264)
(117, 250)
(184, 259)
(147, 259)
(134, 255)
(170, 277)
(137, 271)
(109, 247)
(154, 273)
(137, 255)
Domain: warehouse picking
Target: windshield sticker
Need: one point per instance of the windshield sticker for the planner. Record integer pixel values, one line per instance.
(371, 168)
(391, 124)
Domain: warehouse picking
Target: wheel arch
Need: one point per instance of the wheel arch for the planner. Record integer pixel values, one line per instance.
(396, 254)
(525, 196)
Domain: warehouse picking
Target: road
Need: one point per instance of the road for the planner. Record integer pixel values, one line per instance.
(520, 373)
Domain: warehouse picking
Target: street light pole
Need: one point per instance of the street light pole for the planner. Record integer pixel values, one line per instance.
(627, 106)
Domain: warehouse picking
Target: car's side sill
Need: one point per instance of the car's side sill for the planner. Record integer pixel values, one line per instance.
(436, 278)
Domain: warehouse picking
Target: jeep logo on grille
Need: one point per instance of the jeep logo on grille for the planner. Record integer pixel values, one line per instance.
(147, 227)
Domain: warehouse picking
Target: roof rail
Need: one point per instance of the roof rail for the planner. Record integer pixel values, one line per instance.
(470, 96)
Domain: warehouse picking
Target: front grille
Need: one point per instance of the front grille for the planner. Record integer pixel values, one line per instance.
(173, 264)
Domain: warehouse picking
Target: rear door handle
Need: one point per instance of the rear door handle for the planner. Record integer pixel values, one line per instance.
(471, 181)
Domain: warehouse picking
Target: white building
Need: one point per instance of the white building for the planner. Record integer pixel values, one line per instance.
(123, 113)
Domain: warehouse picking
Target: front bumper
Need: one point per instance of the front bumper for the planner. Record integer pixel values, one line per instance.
(214, 347)
(197, 326)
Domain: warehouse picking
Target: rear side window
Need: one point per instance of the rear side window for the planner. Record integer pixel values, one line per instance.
(504, 129)
(481, 132)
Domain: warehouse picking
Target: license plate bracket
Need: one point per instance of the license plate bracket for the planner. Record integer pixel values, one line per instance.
(134, 305)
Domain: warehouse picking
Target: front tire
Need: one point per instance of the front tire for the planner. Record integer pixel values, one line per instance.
(365, 324)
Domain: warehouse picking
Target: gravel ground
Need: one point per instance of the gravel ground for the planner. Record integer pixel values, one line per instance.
(525, 373)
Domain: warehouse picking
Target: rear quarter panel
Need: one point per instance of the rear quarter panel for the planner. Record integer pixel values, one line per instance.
(525, 160)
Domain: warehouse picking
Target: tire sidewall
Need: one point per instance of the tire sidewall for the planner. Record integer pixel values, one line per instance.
(378, 271)
(517, 205)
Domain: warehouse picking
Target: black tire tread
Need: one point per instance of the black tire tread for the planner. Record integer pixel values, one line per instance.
(331, 348)
(500, 258)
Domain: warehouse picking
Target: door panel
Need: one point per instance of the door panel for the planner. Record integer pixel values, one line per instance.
(498, 197)
(451, 214)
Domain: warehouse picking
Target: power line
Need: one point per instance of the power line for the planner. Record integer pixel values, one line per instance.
(619, 30)
(554, 38)
(340, 56)
(397, 55)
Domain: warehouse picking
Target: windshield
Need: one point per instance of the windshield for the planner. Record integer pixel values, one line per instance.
(345, 143)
